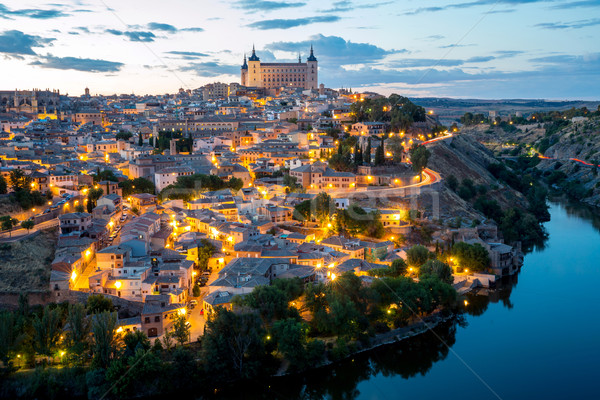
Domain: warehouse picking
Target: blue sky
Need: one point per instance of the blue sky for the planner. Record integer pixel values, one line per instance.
(470, 48)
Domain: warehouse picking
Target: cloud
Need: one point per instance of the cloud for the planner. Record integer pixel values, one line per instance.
(187, 55)
(168, 28)
(162, 27)
(291, 23)
(477, 3)
(134, 36)
(508, 53)
(211, 69)
(577, 4)
(78, 64)
(336, 50)
(345, 5)
(569, 25)
(18, 43)
(7, 13)
(480, 59)
(260, 5)
(424, 62)
(447, 46)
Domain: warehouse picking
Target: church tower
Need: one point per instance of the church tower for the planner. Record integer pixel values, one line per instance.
(312, 76)
(254, 71)
(244, 72)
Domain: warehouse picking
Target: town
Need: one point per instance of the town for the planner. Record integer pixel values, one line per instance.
(175, 207)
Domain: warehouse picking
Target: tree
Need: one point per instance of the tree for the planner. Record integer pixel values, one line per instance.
(292, 288)
(290, 336)
(19, 181)
(140, 139)
(417, 255)
(46, 330)
(93, 196)
(98, 303)
(135, 186)
(471, 256)
(396, 148)
(452, 182)
(323, 206)
(134, 341)
(28, 224)
(8, 223)
(79, 329)
(367, 155)
(302, 211)
(419, 156)
(3, 185)
(11, 334)
(380, 155)
(123, 135)
(205, 252)
(181, 330)
(269, 301)
(438, 269)
(233, 345)
(104, 330)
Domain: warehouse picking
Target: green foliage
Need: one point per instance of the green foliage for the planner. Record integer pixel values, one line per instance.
(452, 182)
(27, 224)
(97, 303)
(233, 346)
(124, 135)
(134, 341)
(181, 330)
(419, 157)
(396, 110)
(205, 252)
(46, 330)
(473, 119)
(136, 186)
(398, 268)
(293, 344)
(380, 155)
(79, 330)
(355, 220)
(105, 175)
(517, 225)
(8, 222)
(438, 269)
(3, 185)
(489, 207)
(19, 181)
(417, 255)
(471, 256)
(187, 187)
(270, 302)
(292, 288)
(104, 345)
(302, 211)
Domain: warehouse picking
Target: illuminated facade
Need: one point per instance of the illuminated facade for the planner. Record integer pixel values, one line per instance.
(277, 75)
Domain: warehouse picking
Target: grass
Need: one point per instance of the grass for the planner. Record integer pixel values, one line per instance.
(25, 265)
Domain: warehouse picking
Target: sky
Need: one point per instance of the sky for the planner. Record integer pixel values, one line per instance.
(489, 49)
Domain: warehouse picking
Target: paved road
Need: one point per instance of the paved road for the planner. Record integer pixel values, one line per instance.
(20, 233)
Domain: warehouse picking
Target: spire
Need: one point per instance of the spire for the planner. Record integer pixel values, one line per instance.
(312, 56)
(245, 65)
(253, 57)
(299, 58)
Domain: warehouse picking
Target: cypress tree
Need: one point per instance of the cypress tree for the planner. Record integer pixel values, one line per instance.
(367, 155)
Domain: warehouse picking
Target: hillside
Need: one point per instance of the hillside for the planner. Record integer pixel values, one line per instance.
(25, 265)
(560, 142)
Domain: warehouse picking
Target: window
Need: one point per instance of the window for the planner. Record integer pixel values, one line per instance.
(157, 319)
(147, 320)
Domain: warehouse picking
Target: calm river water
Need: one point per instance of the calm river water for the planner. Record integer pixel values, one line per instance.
(538, 338)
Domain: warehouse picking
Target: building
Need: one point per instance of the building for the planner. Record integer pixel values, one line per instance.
(277, 75)
(168, 176)
(74, 222)
(319, 176)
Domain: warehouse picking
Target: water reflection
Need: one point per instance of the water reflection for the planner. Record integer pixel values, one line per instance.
(406, 359)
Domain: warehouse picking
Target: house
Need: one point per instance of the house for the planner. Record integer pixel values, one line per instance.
(159, 315)
(74, 222)
(142, 202)
(319, 176)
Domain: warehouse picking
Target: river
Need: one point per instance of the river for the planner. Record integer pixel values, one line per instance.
(537, 337)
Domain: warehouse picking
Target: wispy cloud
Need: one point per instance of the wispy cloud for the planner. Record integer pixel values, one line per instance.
(19, 43)
(577, 4)
(260, 5)
(134, 36)
(345, 5)
(78, 64)
(35, 13)
(470, 4)
(291, 23)
(187, 55)
(211, 69)
(569, 25)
